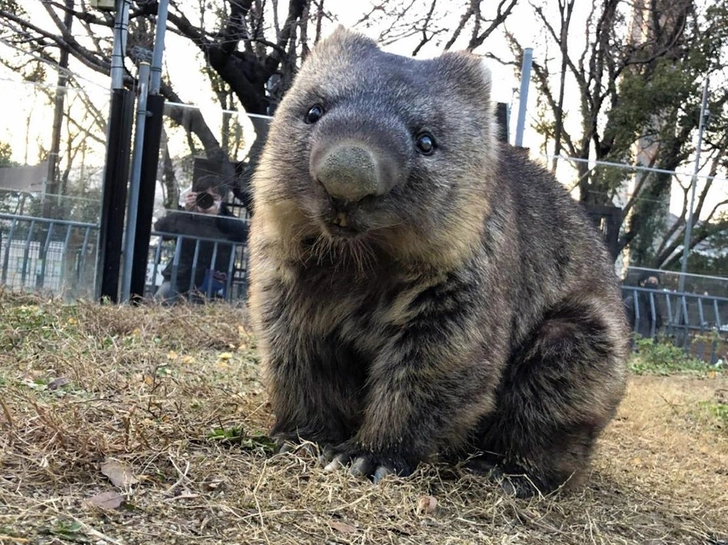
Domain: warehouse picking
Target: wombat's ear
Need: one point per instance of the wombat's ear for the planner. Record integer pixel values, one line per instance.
(468, 73)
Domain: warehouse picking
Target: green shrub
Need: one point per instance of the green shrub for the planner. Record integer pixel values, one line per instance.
(664, 358)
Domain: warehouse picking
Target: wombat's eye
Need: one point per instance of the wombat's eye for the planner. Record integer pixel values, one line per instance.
(314, 113)
(425, 143)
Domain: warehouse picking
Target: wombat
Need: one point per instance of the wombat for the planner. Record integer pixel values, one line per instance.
(419, 290)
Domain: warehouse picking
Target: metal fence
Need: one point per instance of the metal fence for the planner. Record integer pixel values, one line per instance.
(697, 323)
(694, 283)
(166, 254)
(59, 257)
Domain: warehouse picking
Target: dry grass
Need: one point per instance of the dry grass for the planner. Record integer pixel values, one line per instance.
(174, 395)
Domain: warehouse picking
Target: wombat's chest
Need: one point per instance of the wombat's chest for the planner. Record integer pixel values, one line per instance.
(350, 305)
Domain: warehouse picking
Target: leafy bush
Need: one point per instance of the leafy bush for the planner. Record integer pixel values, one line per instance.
(718, 411)
(664, 358)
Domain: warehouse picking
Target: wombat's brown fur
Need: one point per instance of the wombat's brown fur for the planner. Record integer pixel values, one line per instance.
(420, 291)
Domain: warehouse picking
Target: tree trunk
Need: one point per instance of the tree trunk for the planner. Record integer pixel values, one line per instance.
(565, 9)
(51, 204)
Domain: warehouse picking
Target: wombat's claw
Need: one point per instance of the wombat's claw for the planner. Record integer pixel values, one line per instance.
(290, 444)
(335, 463)
(380, 473)
(512, 484)
(363, 465)
(305, 449)
(286, 445)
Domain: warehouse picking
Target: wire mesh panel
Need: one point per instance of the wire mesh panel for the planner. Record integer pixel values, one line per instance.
(46, 255)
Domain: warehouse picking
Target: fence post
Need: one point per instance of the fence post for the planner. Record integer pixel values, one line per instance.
(131, 222)
(523, 96)
(150, 159)
(693, 188)
(116, 171)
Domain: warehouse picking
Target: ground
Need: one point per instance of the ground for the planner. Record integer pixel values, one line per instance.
(147, 426)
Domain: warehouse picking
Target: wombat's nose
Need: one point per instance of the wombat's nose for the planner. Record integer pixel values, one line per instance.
(349, 173)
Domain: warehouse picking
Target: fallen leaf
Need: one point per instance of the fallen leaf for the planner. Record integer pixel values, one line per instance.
(58, 383)
(214, 485)
(225, 355)
(427, 505)
(342, 527)
(107, 500)
(120, 475)
(70, 531)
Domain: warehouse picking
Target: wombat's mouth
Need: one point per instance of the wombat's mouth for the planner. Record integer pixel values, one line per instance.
(343, 231)
(344, 222)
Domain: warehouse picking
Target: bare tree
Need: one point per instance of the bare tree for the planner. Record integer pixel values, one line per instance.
(442, 25)
(241, 49)
(637, 86)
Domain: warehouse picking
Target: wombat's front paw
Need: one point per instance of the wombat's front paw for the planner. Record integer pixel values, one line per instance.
(300, 440)
(362, 462)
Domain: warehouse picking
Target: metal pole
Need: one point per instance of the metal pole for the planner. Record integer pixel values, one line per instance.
(121, 25)
(136, 165)
(694, 184)
(147, 190)
(116, 176)
(149, 161)
(116, 169)
(156, 77)
(523, 95)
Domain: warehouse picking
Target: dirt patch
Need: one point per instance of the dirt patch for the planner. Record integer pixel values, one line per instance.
(168, 404)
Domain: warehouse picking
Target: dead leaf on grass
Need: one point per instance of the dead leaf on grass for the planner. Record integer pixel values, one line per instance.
(107, 500)
(427, 505)
(120, 475)
(13, 539)
(342, 527)
(58, 383)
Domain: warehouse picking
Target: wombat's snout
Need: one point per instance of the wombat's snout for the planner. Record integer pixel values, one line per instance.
(349, 173)
(352, 169)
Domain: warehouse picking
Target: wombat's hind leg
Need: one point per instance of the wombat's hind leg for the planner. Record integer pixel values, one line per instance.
(514, 479)
(557, 394)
